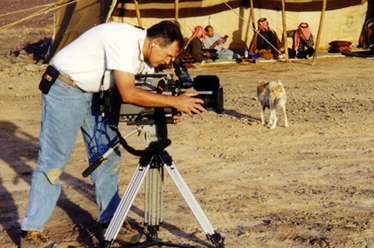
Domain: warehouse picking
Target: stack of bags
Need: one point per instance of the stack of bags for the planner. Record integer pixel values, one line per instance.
(338, 46)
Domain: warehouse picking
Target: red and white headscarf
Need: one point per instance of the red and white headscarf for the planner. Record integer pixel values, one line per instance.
(304, 28)
(264, 23)
(198, 31)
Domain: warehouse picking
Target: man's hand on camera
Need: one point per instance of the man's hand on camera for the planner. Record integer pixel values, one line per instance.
(186, 103)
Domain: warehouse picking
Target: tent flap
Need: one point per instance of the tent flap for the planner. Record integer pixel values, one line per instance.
(74, 19)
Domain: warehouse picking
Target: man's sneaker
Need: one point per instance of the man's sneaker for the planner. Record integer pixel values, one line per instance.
(127, 235)
(33, 239)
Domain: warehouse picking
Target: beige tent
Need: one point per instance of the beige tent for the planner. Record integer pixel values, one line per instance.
(343, 20)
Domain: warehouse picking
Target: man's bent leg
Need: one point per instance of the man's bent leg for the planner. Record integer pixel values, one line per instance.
(62, 116)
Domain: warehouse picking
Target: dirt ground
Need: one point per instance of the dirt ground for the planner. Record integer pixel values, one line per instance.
(309, 185)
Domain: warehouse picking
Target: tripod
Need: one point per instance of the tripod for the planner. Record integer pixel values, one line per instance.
(151, 168)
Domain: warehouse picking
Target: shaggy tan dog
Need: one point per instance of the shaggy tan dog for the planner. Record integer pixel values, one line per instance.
(272, 95)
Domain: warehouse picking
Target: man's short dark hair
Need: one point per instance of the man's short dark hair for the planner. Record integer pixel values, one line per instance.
(207, 28)
(166, 32)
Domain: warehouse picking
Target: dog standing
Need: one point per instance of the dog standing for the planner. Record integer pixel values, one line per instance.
(272, 95)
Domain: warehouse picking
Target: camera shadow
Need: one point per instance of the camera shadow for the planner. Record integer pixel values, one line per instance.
(249, 119)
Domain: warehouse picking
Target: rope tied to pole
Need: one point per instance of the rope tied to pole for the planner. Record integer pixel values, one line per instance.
(46, 8)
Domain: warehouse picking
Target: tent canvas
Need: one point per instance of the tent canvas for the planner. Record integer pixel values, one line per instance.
(343, 19)
(74, 18)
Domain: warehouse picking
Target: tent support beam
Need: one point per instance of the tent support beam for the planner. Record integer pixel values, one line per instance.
(138, 13)
(176, 4)
(253, 16)
(284, 29)
(319, 31)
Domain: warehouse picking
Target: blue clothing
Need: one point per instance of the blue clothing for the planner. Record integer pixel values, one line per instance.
(65, 111)
(209, 41)
(222, 52)
(227, 54)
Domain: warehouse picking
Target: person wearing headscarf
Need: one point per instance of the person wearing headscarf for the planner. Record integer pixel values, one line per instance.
(303, 42)
(265, 41)
(195, 46)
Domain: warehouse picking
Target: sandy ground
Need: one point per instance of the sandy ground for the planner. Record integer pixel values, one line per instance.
(309, 185)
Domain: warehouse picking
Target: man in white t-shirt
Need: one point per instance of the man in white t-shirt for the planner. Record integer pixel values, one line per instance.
(215, 41)
(72, 103)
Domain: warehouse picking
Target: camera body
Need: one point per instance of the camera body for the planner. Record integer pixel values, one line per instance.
(206, 85)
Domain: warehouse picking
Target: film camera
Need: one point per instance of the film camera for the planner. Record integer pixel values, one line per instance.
(154, 159)
(207, 86)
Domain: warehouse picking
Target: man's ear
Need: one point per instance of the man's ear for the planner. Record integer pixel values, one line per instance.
(154, 42)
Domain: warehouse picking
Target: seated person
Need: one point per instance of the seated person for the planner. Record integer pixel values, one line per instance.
(260, 43)
(195, 47)
(214, 41)
(303, 42)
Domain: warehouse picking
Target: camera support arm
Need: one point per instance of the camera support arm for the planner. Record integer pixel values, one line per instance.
(154, 147)
(162, 141)
(106, 154)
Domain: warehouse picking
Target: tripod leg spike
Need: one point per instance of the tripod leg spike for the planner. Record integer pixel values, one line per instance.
(217, 240)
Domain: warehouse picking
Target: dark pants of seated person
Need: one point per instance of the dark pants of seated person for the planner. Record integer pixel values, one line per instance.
(300, 54)
(213, 54)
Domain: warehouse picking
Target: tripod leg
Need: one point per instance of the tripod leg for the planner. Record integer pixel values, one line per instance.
(212, 235)
(153, 203)
(127, 200)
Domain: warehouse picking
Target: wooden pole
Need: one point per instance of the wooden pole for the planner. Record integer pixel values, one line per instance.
(176, 9)
(253, 16)
(138, 13)
(284, 29)
(319, 31)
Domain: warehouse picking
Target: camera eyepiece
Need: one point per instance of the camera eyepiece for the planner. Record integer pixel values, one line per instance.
(180, 70)
(200, 83)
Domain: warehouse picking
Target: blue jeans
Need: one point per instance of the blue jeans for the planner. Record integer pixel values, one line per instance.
(65, 111)
(227, 54)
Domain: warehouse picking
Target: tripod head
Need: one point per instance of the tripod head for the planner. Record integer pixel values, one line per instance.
(158, 131)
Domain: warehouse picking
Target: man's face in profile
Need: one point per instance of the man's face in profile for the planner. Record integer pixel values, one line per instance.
(163, 55)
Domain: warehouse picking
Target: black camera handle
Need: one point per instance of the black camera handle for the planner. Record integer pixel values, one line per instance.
(153, 148)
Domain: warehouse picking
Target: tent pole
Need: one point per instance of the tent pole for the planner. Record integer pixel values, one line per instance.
(284, 29)
(138, 13)
(176, 9)
(319, 32)
(253, 15)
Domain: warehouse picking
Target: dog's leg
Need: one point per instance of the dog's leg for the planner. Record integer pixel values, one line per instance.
(285, 116)
(262, 114)
(271, 119)
(273, 116)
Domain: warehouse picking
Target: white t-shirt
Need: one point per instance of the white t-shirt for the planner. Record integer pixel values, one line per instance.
(209, 41)
(106, 47)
